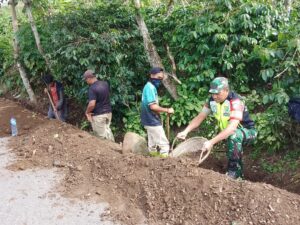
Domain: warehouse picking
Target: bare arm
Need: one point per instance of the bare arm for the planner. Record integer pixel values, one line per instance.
(156, 108)
(90, 107)
(196, 122)
(89, 110)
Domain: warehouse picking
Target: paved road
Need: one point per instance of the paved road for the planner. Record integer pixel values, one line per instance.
(27, 198)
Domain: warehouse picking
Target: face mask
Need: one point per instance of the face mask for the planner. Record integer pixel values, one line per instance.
(156, 82)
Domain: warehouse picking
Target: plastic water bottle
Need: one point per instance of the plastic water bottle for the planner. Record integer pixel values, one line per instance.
(13, 126)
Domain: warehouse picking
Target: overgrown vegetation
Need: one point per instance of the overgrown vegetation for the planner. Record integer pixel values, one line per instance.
(6, 54)
(254, 43)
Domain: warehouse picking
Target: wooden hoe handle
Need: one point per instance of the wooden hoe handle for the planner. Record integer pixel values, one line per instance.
(52, 104)
(168, 126)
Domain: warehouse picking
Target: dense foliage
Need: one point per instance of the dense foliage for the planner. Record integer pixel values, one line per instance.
(104, 39)
(6, 53)
(254, 43)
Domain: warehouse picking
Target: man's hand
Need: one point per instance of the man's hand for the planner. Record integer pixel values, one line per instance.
(207, 146)
(182, 135)
(89, 117)
(45, 90)
(170, 111)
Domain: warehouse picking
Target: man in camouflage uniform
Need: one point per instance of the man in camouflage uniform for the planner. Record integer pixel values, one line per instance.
(233, 120)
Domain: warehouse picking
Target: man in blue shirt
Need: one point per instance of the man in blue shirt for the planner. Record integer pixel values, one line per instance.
(158, 144)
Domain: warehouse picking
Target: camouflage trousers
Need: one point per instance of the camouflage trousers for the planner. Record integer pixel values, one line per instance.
(235, 150)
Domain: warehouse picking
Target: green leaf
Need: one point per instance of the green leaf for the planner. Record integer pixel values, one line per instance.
(265, 99)
(194, 33)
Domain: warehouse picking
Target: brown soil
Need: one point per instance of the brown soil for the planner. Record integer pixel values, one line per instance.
(25, 120)
(75, 110)
(163, 191)
(286, 179)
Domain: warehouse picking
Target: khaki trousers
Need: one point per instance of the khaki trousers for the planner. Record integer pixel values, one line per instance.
(101, 126)
(157, 139)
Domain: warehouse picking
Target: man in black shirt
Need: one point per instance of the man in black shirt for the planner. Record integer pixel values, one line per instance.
(98, 111)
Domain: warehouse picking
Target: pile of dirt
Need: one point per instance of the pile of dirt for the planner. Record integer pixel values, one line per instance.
(148, 190)
(75, 115)
(26, 120)
(287, 178)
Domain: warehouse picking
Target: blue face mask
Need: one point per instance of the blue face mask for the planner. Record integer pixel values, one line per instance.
(156, 82)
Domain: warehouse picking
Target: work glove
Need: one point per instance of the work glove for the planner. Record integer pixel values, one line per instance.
(207, 146)
(182, 135)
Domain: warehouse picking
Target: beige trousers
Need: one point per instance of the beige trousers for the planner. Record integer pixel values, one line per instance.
(157, 139)
(101, 126)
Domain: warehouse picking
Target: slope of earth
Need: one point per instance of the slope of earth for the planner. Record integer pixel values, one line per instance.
(286, 178)
(25, 120)
(164, 191)
(29, 197)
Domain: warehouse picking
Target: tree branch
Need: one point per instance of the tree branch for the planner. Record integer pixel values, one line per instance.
(174, 69)
(282, 72)
(150, 49)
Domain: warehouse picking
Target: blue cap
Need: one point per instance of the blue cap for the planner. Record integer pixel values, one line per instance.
(156, 70)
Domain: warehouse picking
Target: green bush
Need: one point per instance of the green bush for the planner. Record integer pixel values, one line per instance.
(132, 121)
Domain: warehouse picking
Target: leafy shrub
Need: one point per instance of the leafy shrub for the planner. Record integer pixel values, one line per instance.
(254, 43)
(271, 126)
(132, 121)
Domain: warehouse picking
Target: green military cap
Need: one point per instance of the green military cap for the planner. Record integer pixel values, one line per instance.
(218, 84)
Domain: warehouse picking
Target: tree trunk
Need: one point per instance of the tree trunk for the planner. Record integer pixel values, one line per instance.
(16, 54)
(35, 32)
(170, 7)
(153, 57)
(288, 6)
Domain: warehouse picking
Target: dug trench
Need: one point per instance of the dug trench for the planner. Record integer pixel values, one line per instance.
(253, 170)
(141, 190)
